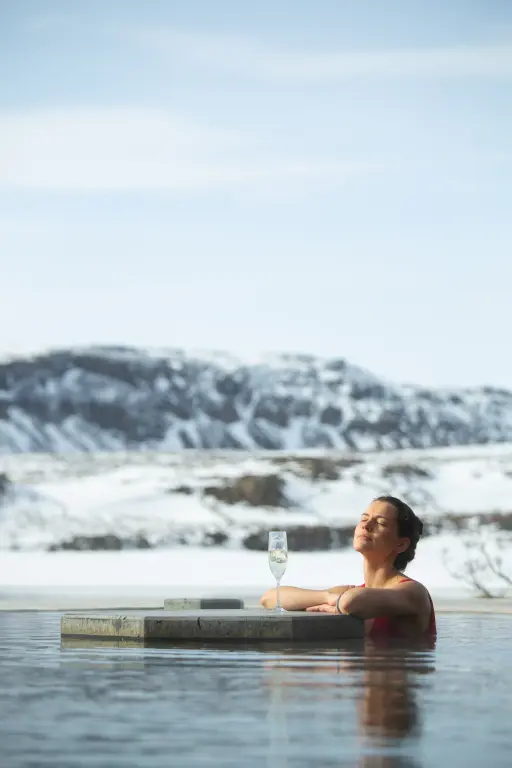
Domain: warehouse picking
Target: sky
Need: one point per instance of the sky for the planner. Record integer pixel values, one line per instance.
(329, 177)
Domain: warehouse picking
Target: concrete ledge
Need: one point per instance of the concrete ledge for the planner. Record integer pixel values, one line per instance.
(213, 625)
(202, 603)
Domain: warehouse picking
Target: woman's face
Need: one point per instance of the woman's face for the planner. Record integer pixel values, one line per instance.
(376, 534)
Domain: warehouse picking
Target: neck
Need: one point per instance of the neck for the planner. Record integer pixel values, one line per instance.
(378, 574)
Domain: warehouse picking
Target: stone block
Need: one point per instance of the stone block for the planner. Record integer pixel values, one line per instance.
(209, 625)
(202, 603)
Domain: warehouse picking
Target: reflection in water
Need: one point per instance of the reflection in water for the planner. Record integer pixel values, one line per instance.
(389, 712)
(385, 678)
(98, 660)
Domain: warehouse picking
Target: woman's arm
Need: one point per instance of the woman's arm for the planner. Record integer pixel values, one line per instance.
(407, 599)
(296, 599)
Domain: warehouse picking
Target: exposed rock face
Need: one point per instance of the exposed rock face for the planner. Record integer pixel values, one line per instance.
(409, 471)
(107, 542)
(501, 521)
(317, 467)
(304, 538)
(111, 541)
(255, 490)
(98, 399)
(4, 484)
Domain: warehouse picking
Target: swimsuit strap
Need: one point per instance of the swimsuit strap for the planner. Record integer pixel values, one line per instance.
(404, 579)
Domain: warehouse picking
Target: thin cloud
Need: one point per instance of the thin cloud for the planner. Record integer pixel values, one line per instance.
(438, 63)
(244, 57)
(142, 149)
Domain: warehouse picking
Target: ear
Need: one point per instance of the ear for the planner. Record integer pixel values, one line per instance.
(403, 545)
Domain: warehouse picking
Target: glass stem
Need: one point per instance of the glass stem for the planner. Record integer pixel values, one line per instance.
(278, 603)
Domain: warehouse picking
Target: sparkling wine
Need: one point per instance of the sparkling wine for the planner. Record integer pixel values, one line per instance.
(277, 559)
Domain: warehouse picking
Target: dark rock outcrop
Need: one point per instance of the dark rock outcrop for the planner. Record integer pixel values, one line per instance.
(255, 490)
(303, 538)
(409, 471)
(107, 542)
(5, 484)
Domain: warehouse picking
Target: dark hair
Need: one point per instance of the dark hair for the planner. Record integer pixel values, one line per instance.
(409, 527)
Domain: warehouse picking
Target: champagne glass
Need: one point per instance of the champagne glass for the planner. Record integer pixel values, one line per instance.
(277, 558)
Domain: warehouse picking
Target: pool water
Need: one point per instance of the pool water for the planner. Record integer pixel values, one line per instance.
(102, 705)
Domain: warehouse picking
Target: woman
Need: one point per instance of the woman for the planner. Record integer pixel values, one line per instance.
(392, 604)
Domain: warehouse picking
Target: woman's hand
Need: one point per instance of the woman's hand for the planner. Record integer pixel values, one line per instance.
(324, 608)
(330, 606)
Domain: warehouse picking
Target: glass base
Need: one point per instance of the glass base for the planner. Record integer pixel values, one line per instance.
(279, 610)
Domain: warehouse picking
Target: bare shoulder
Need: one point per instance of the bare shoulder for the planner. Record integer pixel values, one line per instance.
(415, 589)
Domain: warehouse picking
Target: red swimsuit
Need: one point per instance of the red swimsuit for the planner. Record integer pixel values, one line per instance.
(383, 625)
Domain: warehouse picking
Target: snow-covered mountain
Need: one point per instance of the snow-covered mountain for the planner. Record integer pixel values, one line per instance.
(115, 399)
(232, 499)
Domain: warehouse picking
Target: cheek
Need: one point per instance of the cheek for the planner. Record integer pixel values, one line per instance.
(387, 537)
(391, 540)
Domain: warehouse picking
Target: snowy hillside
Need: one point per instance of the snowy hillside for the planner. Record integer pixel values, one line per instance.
(232, 499)
(116, 399)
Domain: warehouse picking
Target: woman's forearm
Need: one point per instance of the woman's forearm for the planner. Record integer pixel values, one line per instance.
(296, 599)
(293, 598)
